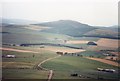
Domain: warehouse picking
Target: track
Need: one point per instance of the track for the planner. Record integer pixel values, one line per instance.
(50, 75)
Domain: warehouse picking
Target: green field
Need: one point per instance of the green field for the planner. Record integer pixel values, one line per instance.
(97, 54)
(66, 65)
(24, 66)
(15, 34)
(18, 70)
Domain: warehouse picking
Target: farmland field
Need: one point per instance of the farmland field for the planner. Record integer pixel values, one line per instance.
(83, 66)
(23, 64)
(26, 66)
(36, 52)
(108, 43)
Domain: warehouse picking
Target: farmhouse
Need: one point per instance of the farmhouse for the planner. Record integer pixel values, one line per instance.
(10, 56)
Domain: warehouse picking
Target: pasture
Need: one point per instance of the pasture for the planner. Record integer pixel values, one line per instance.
(80, 65)
(24, 65)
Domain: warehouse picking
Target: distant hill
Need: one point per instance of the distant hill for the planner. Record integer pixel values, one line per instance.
(77, 29)
(68, 27)
(17, 21)
(103, 32)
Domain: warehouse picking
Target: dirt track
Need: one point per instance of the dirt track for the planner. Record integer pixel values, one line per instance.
(17, 50)
(39, 65)
(50, 75)
(104, 61)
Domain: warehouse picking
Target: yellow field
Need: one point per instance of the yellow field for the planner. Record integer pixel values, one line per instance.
(104, 42)
(37, 28)
(115, 53)
(16, 65)
(77, 42)
(17, 50)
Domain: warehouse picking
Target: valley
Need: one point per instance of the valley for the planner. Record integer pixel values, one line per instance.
(66, 49)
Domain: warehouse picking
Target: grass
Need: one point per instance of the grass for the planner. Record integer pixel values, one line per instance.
(92, 53)
(12, 71)
(66, 65)
(79, 45)
(24, 74)
(31, 36)
(86, 38)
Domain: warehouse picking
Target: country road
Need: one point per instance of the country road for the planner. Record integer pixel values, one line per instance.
(39, 65)
(50, 75)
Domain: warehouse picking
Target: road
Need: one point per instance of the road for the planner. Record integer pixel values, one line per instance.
(50, 75)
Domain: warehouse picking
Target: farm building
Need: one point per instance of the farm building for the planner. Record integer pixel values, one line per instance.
(91, 43)
(60, 53)
(10, 56)
(106, 70)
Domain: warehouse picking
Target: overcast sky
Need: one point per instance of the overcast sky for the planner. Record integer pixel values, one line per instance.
(92, 12)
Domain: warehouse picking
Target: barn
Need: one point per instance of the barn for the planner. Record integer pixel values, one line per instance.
(92, 43)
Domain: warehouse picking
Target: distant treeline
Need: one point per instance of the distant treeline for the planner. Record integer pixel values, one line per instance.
(5, 32)
(110, 37)
(50, 44)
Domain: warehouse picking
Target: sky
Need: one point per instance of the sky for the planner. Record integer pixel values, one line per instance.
(92, 12)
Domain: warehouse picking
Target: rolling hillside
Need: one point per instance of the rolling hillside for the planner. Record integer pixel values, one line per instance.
(104, 32)
(67, 27)
(18, 34)
(17, 21)
(77, 29)
(61, 28)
